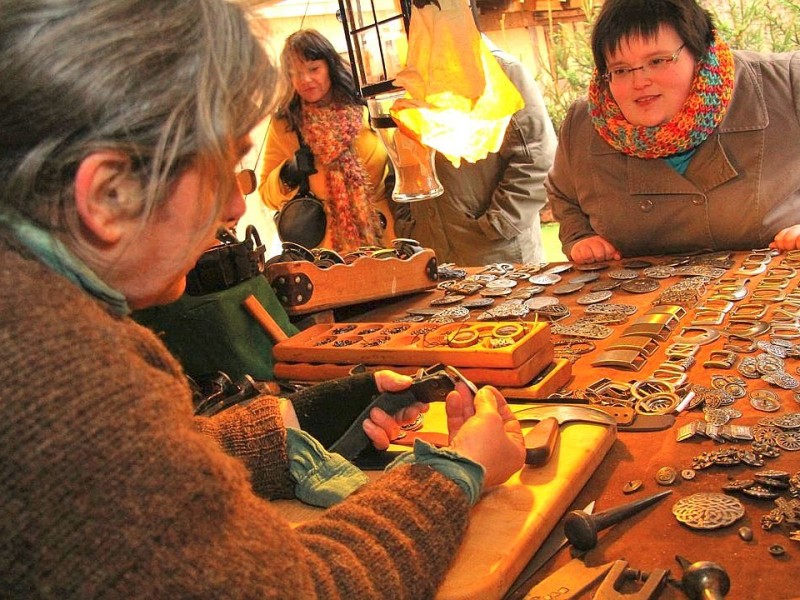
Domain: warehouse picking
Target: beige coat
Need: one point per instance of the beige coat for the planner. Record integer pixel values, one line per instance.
(741, 188)
(489, 211)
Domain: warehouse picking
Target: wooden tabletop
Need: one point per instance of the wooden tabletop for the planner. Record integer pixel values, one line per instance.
(762, 567)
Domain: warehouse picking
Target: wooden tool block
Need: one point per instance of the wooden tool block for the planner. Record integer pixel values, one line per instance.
(511, 521)
(519, 376)
(555, 376)
(302, 287)
(463, 344)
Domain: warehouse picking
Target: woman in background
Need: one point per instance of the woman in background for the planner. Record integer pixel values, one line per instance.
(682, 144)
(345, 160)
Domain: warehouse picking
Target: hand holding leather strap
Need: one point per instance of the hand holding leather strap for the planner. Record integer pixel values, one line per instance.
(428, 388)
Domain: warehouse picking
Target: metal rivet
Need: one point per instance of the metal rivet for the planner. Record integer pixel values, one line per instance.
(646, 205)
(666, 476)
(746, 533)
(777, 550)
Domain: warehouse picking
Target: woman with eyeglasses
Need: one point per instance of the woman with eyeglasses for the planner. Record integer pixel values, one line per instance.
(342, 157)
(121, 126)
(682, 144)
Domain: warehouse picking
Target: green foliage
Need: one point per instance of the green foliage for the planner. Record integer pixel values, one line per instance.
(566, 63)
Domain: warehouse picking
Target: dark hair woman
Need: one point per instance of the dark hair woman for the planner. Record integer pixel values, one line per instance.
(345, 162)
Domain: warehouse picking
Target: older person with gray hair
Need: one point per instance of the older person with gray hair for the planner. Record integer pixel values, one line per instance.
(121, 124)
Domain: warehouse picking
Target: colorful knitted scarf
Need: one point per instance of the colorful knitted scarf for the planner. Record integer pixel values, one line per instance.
(701, 114)
(330, 131)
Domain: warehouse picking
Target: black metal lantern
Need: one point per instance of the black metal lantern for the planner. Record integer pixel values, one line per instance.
(376, 33)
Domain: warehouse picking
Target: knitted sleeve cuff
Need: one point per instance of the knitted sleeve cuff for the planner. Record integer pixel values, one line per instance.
(467, 474)
(327, 410)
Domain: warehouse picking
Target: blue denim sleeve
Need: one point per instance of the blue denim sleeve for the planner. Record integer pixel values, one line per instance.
(321, 478)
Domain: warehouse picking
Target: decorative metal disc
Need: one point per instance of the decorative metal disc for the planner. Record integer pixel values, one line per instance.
(501, 283)
(631, 486)
(636, 263)
(545, 279)
(788, 440)
(540, 301)
(447, 299)
(591, 267)
(593, 298)
(454, 312)
(604, 286)
(559, 268)
(567, 288)
(659, 272)
(495, 292)
(478, 302)
(627, 309)
(764, 403)
(787, 421)
(666, 476)
(586, 277)
(640, 286)
(623, 274)
(708, 510)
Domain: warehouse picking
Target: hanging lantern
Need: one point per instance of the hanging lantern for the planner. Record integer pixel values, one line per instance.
(376, 33)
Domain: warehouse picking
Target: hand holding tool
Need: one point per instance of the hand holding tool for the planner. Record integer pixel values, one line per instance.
(428, 386)
(581, 529)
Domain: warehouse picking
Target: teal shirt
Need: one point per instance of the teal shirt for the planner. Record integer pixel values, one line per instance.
(55, 254)
(680, 162)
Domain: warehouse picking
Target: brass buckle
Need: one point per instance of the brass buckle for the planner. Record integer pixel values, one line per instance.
(629, 360)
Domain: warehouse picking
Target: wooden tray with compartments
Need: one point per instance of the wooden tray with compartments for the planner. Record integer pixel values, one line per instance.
(302, 287)
(496, 345)
(524, 375)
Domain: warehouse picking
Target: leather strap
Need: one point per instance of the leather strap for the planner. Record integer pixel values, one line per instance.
(649, 423)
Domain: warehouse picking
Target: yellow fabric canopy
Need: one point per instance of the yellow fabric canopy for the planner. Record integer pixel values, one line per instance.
(460, 101)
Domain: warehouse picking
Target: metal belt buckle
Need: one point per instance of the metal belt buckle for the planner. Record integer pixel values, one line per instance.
(629, 360)
(641, 343)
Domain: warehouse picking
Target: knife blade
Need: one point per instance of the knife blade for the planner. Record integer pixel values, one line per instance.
(549, 548)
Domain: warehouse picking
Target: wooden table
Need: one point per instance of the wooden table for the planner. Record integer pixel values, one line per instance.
(511, 521)
(652, 539)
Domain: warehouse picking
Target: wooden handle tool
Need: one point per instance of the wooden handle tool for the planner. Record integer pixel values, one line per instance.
(540, 442)
(260, 314)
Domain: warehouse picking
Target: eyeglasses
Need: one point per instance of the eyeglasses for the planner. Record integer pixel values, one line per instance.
(246, 179)
(655, 65)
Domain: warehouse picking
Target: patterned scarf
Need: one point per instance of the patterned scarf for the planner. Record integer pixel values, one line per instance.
(701, 113)
(330, 131)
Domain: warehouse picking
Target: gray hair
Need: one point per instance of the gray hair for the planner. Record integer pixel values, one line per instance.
(169, 83)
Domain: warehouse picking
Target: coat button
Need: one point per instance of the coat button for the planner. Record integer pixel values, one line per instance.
(699, 200)
(646, 205)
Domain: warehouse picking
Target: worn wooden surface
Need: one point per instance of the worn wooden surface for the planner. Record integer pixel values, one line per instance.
(511, 521)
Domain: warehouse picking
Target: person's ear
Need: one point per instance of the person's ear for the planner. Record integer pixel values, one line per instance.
(105, 191)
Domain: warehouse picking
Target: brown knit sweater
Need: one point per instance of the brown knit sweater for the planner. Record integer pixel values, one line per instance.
(109, 488)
